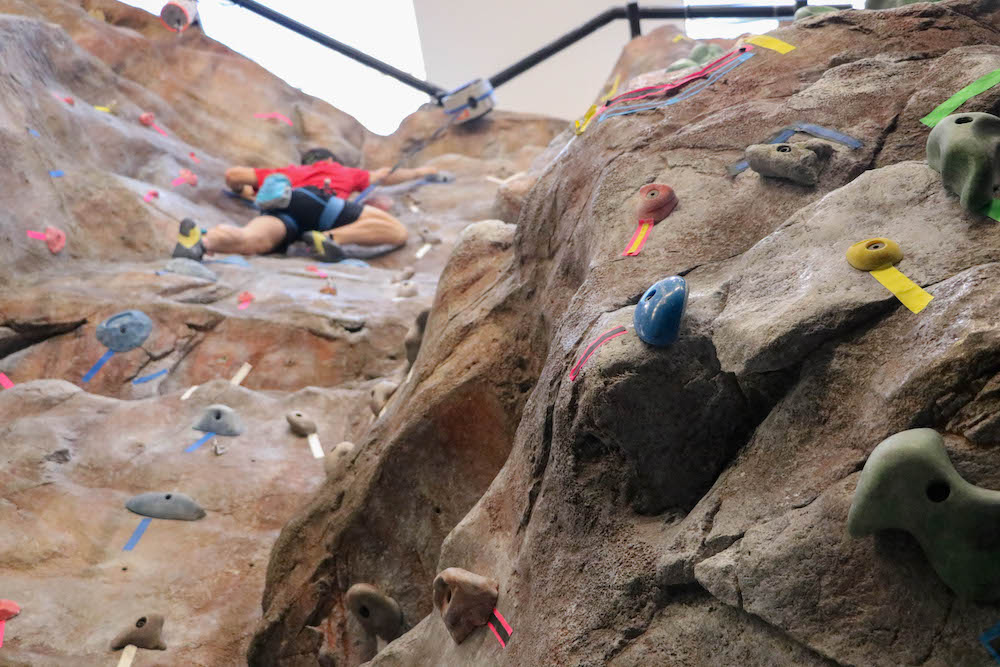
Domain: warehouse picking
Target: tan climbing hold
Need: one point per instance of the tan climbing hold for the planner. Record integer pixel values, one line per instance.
(465, 600)
(339, 460)
(379, 614)
(300, 423)
(145, 633)
(381, 393)
(407, 288)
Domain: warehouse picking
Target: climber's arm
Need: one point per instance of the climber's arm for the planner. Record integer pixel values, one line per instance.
(239, 178)
(400, 175)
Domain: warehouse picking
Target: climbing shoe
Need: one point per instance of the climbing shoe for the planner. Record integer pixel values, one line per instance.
(274, 193)
(189, 243)
(322, 247)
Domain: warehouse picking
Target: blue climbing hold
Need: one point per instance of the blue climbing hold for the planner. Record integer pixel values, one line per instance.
(658, 316)
(125, 331)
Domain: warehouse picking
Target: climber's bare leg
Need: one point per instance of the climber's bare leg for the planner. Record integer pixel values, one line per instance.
(373, 227)
(261, 235)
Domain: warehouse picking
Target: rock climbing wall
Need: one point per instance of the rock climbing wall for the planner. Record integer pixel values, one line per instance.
(687, 504)
(263, 336)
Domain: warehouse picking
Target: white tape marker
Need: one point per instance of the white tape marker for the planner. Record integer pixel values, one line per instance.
(424, 249)
(241, 375)
(314, 445)
(187, 394)
(128, 655)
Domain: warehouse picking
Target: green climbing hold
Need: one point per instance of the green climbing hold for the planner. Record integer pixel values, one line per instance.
(813, 10)
(701, 54)
(909, 483)
(965, 149)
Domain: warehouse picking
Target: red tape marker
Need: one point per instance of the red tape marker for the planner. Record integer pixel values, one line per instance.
(5, 382)
(634, 246)
(602, 339)
(504, 632)
(277, 116)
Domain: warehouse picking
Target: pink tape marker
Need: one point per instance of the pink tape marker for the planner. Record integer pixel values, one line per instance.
(245, 298)
(149, 120)
(498, 624)
(194, 158)
(8, 610)
(5, 382)
(187, 176)
(150, 196)
(317, 271)
(277, 116)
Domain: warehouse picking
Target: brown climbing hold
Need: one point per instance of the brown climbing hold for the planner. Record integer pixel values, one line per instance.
(415, 336)
(144, 633)
(465, 600)
(379, 614)
(339, 460)
(656, 201)
(300, 424)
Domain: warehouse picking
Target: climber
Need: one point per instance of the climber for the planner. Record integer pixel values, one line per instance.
(307, 202)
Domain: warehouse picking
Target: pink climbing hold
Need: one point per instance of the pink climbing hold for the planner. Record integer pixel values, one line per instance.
(194, 157)
(8, 610)
(149, 120)
(54, 238)
(275, 115)
(150, 196)
(245, 298)
(317, 271)
(5, 382)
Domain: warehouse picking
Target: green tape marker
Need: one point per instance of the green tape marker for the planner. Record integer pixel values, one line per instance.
(993, 210)
(949, 106)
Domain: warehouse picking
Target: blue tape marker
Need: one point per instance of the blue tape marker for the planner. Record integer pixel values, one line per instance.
(33, 132)
(991, 640)
(201, 441)
(688, 92)
(57, 173)
(96, 367)
(827, 133)
(139, 530)
(236, 260)
(150, 377)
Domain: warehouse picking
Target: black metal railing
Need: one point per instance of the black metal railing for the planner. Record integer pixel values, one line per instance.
(631, 11)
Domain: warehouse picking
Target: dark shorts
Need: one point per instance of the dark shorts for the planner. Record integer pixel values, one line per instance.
(305, 214)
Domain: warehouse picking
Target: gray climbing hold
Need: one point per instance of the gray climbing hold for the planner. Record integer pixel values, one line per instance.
(799, 162)
(220, 419)
(166, 505)
(965, 149)
(378, 614)
(415, 336)
(405, 274)
(300, 424)
(145, 633)
(189, 267)
(465, 601)
(125, 331)
(406, 289)
(908, 483)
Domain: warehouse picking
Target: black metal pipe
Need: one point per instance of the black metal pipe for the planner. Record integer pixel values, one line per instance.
(722, 12)
(558, 45)
(632, 9)
(363, 58)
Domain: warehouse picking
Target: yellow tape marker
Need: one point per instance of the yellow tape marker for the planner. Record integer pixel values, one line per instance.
(877, 256)
(104, 109)
(315, 447)
(187, 394)
(678, 38)
(911, 294)
(771, 43)
(128, 655)
(587, 117)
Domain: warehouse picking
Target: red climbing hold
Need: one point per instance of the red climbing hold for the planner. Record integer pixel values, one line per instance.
(656, 201)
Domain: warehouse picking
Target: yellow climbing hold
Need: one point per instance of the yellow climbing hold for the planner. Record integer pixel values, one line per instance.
(877, 256)
(771, 43)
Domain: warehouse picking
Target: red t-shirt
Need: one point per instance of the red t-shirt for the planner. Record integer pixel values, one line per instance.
(343, 180)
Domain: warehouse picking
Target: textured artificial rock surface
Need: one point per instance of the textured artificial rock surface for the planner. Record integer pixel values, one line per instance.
(73, 453)
(684, 505)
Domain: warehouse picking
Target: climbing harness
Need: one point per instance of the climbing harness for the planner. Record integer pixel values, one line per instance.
(785, 133)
